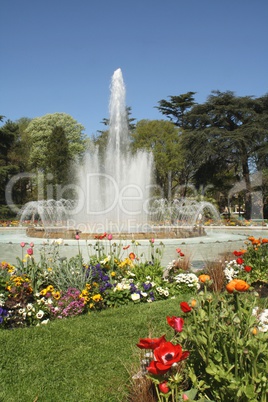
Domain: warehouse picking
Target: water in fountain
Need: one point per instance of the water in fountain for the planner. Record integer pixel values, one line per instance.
(47, 213)
(183, 212)
(114, 188)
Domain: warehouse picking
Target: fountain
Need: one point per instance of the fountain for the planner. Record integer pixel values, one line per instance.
(113, 192)
(183, 212)
(114, 187)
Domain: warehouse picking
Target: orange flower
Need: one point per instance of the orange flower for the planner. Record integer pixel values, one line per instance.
(204, 278)
(256, 242)
(132, 256)
(264, 241)
(237, 284)
(193, 303)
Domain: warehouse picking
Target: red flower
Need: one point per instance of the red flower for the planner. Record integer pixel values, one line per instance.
(240, 261)
(151, 343)
(238, 253)
(126, 247)
(181, 254)
(165, 355)
(247, 268)
(22, 244)
(185, 307)
(100, 237)
(178, 250)
(176, 323)
(132, 256)
(163, 387)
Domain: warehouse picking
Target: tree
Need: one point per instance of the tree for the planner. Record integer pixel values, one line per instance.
(58, 159)
(163, 140)
(8, 135)
(176, 108)
(40, 130)
(226, 133)
(55, 140)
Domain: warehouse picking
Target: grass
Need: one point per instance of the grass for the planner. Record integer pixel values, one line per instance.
(90, 358)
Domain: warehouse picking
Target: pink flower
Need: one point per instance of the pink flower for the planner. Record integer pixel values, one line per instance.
(22, 244)
(77, 237)
(110, 236)
(185, 397)
(31, 244)
(176, 323)
(30, 251)
(152, 241)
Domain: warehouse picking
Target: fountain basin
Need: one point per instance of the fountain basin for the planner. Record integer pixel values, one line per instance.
(161, 232)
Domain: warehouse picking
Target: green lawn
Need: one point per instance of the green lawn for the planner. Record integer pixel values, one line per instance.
(85, 359)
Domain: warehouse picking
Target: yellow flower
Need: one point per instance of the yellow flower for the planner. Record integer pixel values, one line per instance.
(97, 297)
(56, 295)
(113, 273)
(88, 286)
(49, 269)
(50, 288)
(91, 305)
(43, 292)
(254, 331)
(95, 284)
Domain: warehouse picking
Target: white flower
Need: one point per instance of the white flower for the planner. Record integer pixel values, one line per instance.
(144, 294)
(45, 321)
(135, 296)
(107, 259)
(59, 241)
(40, 314)
(30, 307)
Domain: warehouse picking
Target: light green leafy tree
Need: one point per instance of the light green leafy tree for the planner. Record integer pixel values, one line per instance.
(60, 132)
(162, 138)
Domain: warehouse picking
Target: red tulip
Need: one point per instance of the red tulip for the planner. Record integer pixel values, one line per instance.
(185, 307)
(247, 268)
(163, 387)
(176, 323)
(165, 355)
(240, 261)
(151, 343)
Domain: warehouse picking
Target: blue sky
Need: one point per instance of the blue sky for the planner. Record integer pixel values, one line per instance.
(60, 55)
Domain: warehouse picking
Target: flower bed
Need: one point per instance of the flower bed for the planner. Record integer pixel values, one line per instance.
(219, 348)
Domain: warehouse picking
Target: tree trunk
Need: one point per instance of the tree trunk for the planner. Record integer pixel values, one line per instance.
(248, 189)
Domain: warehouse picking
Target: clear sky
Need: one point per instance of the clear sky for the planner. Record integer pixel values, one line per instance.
(60, 55)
